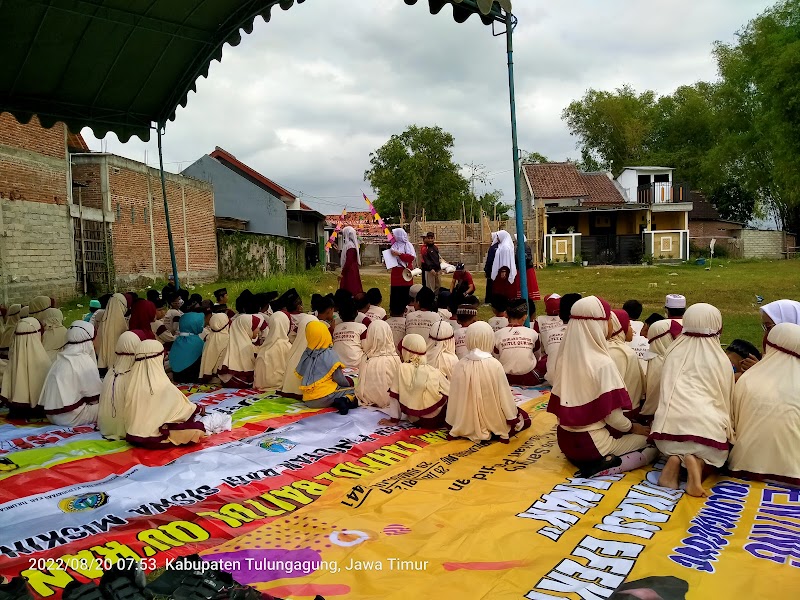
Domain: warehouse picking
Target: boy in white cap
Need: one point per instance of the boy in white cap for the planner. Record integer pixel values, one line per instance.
(675, 306)
(412, 298)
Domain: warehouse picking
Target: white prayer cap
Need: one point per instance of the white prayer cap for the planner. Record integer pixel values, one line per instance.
(414, 290)
(675, 301)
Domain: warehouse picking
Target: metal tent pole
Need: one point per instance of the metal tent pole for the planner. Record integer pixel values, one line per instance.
(166, 213)
(522, 273)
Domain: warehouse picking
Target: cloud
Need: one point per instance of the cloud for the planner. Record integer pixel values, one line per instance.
(305, 98)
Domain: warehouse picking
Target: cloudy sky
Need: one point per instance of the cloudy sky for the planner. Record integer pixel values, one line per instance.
(305, 98)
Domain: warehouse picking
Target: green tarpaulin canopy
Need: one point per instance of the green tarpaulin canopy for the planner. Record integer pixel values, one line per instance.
(123, 65)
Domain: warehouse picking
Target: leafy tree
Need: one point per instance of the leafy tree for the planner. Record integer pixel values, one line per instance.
(532, 158)
(759, 110)
(733, 202)
(415, 170)
(613, 128)
(491, 204)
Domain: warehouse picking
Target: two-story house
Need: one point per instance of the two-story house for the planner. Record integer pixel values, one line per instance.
(601, 220)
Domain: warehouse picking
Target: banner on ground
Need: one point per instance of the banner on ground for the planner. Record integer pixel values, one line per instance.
(488, 520)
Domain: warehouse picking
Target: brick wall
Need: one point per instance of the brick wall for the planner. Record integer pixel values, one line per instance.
(88, 175)
(245, 255)
(36, 254)
(139, 231)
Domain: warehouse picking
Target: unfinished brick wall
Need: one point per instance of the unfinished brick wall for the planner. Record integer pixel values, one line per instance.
(140, 243)
(36, 254)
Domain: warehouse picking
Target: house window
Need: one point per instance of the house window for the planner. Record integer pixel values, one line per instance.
(666, 244)
(561, 247)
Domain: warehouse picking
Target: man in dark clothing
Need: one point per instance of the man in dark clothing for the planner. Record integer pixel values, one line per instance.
(431, 264)
(487, 268)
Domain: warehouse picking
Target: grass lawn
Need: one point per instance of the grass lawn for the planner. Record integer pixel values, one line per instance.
(731, 286)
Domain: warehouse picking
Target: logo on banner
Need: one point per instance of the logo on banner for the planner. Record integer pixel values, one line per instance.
(277, 444)
(84, 502)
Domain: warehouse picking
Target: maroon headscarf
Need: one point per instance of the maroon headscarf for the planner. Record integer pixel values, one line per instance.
(142, 316)
(144, 334)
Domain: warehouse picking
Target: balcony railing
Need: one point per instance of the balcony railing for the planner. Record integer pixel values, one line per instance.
(660, 193)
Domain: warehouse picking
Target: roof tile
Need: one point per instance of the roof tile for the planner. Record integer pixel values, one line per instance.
(556, 180)
(602, 189)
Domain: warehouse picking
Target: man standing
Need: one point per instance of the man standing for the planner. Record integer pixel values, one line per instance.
(431, 264)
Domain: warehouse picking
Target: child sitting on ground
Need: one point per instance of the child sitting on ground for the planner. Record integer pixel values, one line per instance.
(362, 306)
(466, 315)
(397, 322)
(739, 351)
(322, 382)
(348, 335)
(514, 347)
(420, 321)
(375, 312)
(378, 367)
(499, 320)
(625, 358)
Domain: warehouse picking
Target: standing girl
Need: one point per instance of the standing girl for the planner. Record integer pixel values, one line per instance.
(350, 261)
(404, 252)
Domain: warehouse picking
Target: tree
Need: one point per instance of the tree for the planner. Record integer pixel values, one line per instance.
(532, 158)
(415, 171)
(733, 202)
(613, 128)
(759, 111)
(491, 204)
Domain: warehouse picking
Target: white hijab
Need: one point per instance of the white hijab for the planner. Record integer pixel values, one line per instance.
(766, 409)
(418, 385)
(505, 257)
(272, 359)
(588, 386)
(660, 337)
(152, 401)
(401, 243)
(111, 327)
(627, 362)
(111, 418)
(494, 238)
(55, 334)
(241, 353)
(291, 383)
(28, 365)
(441, 350)
(481, 403)
(73, 378)
(378, 367)
(783, 311)
(216, 345)
(12, 318)
(696, 382)
(350, 240)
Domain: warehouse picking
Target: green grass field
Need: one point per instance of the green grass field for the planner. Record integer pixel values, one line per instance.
(732, 286)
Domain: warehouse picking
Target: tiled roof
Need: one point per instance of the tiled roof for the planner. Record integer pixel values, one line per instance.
(602, 189)
(702, 209)
(230, 161)
(556, 180)
(76, 142)
(363, 222)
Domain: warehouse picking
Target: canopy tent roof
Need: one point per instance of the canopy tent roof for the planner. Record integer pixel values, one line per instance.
(123, 65)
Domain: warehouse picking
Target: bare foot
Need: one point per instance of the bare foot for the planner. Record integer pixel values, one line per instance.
(670, 473)
(694, 485)
(388, 421)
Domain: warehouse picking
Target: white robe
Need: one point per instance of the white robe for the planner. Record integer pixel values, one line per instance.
(378, 367)
(111, 416)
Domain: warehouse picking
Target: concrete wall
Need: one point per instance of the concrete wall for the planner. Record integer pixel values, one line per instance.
(235, 196)
(129, 193)
(763, 244)
(628, 180)
(253, 256)
(36, 252)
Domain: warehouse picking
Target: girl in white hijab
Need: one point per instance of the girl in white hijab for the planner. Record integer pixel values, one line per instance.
(441, 351)
(766, 412)
(379, 366)
(418, 391)
(112, 326)
(55, 334)
(240, 357)
(27, 369)
(660, 335)
(272, 358)
(7, 332)
(111, 418)
(589, 397)
(505, 281)
(215, 348)
(481, 404)
(350, 261)
(692, 424)
(157, 414)
(625, 358)
(780, 311)
(404, 251)
(37, 307)
(71, 393)
(291, 383)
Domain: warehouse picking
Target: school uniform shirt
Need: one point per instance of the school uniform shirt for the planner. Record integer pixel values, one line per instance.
(162, 333)
(461, 342)
(513, 347)
(445, 314)
(347, 339)
(398, 326)
(376, 313)
(363, 318)
(640, 345)
(171, 320)
(498, 323)
(420, 322)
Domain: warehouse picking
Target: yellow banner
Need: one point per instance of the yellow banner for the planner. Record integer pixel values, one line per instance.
(488, 520)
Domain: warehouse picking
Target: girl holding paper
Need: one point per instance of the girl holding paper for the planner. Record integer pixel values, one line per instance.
(404, 252)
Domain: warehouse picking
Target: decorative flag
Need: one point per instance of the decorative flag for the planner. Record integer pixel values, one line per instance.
(378, 218)
(339, 225)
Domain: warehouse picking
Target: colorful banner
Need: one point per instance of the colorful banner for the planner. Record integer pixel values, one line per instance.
(377, 217)
(70, 521)
(487, 520)
(339, 226)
